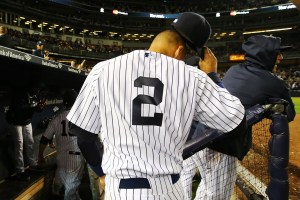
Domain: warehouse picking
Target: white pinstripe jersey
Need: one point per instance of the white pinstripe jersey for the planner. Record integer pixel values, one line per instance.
(65, 143)
(143, 103)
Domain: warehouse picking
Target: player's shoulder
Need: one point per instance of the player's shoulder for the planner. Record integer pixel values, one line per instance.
(106, 65)
(62, 113)
(195, 71)
(101, 65)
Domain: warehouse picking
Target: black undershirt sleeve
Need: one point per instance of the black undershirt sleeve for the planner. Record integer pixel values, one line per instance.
(89, 146)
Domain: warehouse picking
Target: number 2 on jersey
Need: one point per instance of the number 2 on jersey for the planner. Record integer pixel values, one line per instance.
(137, 102)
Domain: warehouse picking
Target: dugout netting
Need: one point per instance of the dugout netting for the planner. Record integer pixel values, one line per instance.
(253, 176)
(265, 166)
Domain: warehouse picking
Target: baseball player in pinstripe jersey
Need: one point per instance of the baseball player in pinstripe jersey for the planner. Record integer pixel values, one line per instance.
(70, 162)
(142, 103)
(218, 163)
(217, 170)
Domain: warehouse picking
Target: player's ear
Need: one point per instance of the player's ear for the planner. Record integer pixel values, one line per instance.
(179, 53)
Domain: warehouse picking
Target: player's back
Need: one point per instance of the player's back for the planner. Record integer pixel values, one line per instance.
(68, 152)
(146, 103)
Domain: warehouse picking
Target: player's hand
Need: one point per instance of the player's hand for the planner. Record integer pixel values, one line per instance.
(52, 145)
(209, 63)
(102, 182)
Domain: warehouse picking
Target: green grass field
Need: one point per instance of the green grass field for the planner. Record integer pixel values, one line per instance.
(296, 101)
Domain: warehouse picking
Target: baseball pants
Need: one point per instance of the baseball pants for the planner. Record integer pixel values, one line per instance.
(23, 140)
(71, 181)
(218, 175)
(161, 188)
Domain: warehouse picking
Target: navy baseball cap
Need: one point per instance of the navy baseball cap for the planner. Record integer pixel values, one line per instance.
(193, 28)
(39, 43)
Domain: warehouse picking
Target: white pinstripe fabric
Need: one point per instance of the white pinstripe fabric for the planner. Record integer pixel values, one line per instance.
(187, 174)
(218, 175)
(161, 189)
(69, 166)
(64, 143)
(23, 144)
(105, 103)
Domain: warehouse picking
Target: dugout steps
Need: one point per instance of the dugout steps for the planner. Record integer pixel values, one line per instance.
(38, 187)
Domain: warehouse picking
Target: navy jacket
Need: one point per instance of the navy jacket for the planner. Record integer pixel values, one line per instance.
(22, 108)
(253, 83)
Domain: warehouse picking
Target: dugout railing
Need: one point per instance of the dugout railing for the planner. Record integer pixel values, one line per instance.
(263, 172)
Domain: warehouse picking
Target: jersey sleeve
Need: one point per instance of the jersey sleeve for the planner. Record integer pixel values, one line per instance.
(216, 107)
(85, 111)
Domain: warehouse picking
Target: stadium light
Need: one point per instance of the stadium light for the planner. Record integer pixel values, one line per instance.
(233, 13)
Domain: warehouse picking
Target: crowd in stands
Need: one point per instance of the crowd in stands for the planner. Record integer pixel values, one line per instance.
(76, 16)
(290, 75)
(183, 5)
(168, 6)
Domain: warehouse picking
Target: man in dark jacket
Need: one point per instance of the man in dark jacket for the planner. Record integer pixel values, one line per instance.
(24, 103)
(253, 83)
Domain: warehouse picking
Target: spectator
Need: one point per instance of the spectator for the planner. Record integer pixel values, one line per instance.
(46, 55)
(80, 66)
(5, 39)
(39, 50)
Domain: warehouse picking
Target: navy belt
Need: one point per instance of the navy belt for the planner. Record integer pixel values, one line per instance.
(141, 183)
(74, 153)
